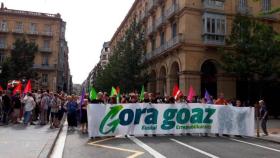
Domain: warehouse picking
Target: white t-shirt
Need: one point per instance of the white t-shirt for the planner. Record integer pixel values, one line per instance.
(29, 103)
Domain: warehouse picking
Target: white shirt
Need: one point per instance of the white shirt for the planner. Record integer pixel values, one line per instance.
(29, 103)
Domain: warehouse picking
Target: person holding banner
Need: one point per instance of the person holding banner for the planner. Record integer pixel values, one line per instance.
(221, 100)
(84, 116)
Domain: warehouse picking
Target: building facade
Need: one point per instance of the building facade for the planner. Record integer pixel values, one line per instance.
(48, 32)
(183, 37)
(105, 54)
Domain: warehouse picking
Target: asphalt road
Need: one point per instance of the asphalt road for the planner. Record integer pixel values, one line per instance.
(78, 145)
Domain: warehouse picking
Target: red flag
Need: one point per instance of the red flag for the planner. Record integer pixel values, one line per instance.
(191, 94)
(1, 89)
(27, 87)
(17, 89)
(118, 90)
(177, 92)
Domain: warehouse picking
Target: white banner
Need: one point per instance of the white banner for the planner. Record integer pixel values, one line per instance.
(139, 119)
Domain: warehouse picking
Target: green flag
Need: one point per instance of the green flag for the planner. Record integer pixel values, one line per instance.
(142, 94)
(113, 92)
(92, 94)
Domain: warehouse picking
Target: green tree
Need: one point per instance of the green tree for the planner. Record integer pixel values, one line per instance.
(254, 53)
(125, 67)
(20, 64)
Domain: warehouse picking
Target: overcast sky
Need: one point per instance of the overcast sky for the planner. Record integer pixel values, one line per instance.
(89, 24)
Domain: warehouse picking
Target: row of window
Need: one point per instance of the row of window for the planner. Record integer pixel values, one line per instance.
(19, 27)
(266, 4)
(174, 33)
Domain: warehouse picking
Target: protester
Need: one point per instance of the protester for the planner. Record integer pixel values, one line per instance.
(84, 116)
(264, 116)
(29, 105)
(45, 101)
(221, 100)
(54, 104)
(6, 101)
(72, 107)
(1, 105)
(16, 103)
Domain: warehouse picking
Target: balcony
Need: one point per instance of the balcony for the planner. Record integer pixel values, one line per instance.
(266, 15)
(47, 34)
(18, 31)
(213, 4)
(160, 21)
(168, 46)
(171, 11)
(44, 67)
(244, 10)
(151, 5)
(3, 46)
(35, 33)
(214, 40)
(45, 50)
(4, 30)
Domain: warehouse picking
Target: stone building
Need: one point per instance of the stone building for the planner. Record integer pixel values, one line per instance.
(182, 38)
(48, 32)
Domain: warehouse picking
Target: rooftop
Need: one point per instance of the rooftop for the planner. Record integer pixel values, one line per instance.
(28, 13)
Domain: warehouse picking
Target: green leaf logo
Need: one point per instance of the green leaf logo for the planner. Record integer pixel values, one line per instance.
(113, 124)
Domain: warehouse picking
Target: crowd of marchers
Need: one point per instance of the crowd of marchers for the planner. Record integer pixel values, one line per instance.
(48, 108)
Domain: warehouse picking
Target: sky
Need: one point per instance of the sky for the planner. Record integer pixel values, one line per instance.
(89, 24)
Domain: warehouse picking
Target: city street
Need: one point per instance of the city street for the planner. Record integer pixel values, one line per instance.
(169, 146)
(78, 145)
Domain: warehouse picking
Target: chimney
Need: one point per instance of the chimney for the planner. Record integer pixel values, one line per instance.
(2, 5)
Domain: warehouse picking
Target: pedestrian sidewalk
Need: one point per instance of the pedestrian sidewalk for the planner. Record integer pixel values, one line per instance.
(19, 141)
(273, 126)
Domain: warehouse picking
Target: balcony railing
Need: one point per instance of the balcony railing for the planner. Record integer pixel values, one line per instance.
(210, 4)
(46, 50)
(46, 33)
(171, 10)
(3, 29)
(18, 31)
(151, 5)
(44, 66)
(44, 83)
(33, 33)
(165, 47)
(243, 9)
(159, 21)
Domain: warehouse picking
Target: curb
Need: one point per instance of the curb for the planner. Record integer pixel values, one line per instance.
(269, 140)
(54, 142)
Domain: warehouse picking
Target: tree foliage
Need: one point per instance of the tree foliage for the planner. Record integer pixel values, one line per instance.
(20, 63)
(125, 67)
(255, 54)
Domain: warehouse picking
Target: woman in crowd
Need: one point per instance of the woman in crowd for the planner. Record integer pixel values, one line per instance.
(72, 107)
(84, 116)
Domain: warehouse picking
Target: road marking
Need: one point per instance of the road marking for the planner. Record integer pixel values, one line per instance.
(146, 147)
(196, 149)
(59, 145)
(135, 152)
(264, 147)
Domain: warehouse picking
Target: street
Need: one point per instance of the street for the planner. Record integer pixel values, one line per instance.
(195, 146)
(169, 146)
